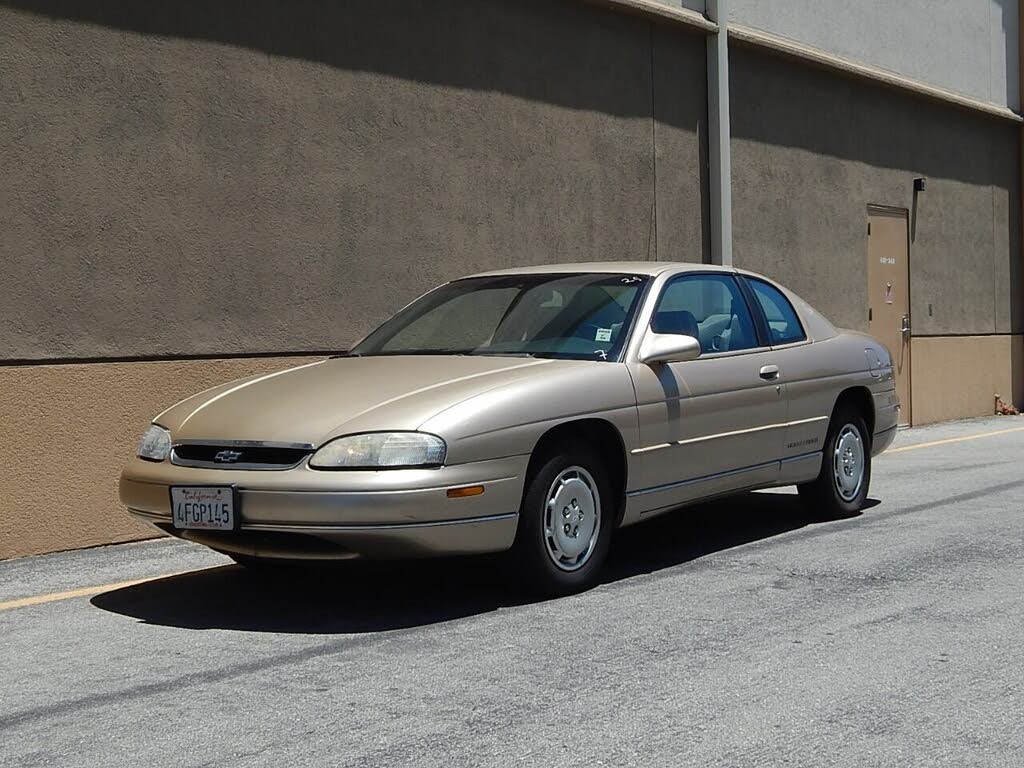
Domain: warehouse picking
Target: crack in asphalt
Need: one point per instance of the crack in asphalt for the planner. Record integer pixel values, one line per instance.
(195, 678)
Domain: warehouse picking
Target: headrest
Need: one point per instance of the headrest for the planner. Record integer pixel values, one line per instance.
(678, 321)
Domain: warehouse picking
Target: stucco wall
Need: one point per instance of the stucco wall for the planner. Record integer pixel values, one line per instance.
(213, 178)
(67, 430)
(968, 46)
(959, 377)
(812, 150)
(693, 5)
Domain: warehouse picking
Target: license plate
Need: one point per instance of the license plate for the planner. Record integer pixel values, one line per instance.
(209, 508)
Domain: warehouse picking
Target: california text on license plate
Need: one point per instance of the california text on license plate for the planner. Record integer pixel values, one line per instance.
(203, 507)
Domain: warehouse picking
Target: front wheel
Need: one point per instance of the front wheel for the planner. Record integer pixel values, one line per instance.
(841, 487)
(565, 522)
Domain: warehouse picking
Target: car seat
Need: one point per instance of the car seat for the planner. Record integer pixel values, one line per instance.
(740, 333)
(675, 321)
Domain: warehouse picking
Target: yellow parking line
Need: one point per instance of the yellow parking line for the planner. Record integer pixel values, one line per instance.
(24, 602)
(954, 440)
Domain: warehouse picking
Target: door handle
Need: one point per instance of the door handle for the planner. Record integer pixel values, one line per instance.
(769, 372)
(905, 325)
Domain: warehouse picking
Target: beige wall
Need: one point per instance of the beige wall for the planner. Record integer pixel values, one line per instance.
(66, 430)
(957, 377)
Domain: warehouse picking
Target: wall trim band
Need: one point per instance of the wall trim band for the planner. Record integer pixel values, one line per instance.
(987, 335)
(766, 40)
(685, 16)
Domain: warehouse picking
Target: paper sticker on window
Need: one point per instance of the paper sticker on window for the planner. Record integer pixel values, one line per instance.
(603, 334)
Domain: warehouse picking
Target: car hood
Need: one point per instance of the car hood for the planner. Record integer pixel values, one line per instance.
(316, 402)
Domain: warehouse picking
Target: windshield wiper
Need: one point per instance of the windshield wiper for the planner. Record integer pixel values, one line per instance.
(488, 353)
(440, 352)
(414, 352)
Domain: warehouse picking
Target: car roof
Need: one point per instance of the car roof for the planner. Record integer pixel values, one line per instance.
(651, 268)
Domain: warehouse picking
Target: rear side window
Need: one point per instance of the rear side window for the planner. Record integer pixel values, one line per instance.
(782, 318)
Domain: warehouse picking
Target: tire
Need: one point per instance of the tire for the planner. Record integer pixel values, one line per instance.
(841, 488)
(565, 522)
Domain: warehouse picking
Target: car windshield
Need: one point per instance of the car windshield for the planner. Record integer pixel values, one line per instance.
(567, 316)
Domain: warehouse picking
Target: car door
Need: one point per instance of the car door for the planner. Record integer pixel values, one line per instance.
(713, 424)
(811, 385)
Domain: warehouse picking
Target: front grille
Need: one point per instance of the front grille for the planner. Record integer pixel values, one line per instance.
(239, 456)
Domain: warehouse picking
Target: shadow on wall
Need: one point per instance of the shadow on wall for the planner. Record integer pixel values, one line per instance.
(810, 140)
(790, 104)
(192, 154)
(458, 43)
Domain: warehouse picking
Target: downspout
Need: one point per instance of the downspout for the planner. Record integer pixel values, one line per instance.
(1018, 385)
(719, 134)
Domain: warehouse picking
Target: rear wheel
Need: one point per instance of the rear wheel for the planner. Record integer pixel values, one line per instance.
(565, 522)
(841, 487)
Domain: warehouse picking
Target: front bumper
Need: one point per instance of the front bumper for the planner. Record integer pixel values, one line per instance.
(307, 514)
(887, 416)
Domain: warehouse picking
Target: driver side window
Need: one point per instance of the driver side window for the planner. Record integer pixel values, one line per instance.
(708, 307)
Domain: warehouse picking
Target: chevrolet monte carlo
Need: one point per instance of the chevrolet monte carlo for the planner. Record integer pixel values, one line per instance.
(530, 412)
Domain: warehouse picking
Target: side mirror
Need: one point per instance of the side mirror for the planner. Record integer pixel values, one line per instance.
(668, 348)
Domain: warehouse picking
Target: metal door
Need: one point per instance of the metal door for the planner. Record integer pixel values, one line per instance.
(889, 292)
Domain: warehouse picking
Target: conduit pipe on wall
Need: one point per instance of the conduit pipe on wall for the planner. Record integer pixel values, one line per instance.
(719, 134)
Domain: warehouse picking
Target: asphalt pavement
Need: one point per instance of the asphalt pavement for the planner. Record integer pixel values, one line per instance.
(737, 633)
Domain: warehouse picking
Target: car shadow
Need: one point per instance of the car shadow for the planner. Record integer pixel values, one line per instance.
(377, 597)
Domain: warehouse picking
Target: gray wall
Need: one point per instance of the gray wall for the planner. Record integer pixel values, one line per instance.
(969, 46)
(693, 5)
(236, 177)
(811, 150)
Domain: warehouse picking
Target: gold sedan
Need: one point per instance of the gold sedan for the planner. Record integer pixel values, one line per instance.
(528, 411)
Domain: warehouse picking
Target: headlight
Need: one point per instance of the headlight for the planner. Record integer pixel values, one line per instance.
(155, 444)
(381, 450)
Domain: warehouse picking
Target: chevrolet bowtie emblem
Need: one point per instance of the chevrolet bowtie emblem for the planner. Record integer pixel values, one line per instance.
(227, 457)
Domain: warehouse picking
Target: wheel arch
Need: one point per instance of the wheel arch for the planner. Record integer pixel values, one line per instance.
(599, 434)
(861, 399)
